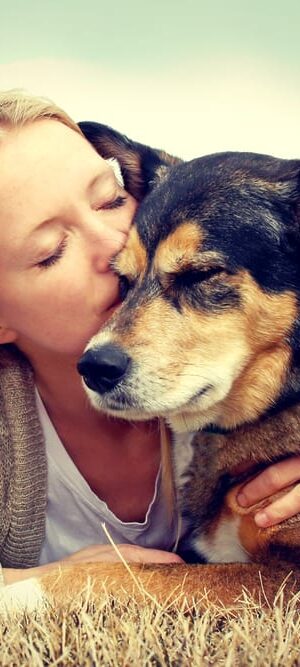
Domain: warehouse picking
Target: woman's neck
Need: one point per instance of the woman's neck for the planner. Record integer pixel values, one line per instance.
(59, 382)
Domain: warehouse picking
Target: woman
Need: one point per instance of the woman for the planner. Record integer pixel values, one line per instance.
(63, 215)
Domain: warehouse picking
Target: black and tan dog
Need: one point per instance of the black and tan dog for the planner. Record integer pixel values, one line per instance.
(208, 338)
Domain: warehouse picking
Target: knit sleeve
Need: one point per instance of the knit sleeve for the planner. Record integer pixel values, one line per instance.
(23, 464)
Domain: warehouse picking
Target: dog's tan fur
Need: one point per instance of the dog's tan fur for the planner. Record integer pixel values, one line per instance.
(177, 251)
(174, 582)
(135, 261)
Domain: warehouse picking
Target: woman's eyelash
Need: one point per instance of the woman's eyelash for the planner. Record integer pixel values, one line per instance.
(52, 259)
(116, 203)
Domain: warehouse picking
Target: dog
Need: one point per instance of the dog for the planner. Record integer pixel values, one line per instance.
(207, 339)
(208, 335)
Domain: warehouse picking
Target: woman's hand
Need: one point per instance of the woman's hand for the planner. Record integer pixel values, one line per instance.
(275, 478)
(130, 552)
(95, 554)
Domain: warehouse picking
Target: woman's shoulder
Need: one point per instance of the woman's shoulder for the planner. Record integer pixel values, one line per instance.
(16, 380)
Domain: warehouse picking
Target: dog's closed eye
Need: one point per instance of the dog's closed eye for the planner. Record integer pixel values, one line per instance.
(192, 277)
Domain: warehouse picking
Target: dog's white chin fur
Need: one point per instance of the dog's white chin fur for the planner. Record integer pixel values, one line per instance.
(183, 421)
(187, 422)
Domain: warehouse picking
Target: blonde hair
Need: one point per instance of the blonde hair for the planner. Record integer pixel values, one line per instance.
(19, 108)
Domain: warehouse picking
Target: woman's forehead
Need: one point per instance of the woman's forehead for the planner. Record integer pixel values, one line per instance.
(40, 163)
(42, 140)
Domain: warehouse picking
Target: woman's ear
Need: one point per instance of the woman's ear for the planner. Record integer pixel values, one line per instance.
(7, 335)
(141, 165)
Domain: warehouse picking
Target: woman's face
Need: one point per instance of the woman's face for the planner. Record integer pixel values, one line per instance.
(62, 218)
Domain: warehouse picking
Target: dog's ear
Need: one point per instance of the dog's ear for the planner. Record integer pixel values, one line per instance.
(287, 184)
(283, 176)
(141, 165)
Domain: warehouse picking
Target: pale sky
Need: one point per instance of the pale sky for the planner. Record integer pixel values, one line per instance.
(191, 77)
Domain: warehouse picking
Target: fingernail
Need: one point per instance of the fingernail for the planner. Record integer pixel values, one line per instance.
(241, 498)
(261, 519)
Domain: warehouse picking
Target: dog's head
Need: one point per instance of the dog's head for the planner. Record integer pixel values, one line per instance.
(208, 330)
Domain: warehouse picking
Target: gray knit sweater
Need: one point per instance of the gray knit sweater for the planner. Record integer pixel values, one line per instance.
(23, 464)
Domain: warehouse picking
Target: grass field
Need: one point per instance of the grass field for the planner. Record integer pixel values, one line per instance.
(89, 632)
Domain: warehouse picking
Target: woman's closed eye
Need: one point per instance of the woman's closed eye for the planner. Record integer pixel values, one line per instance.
(115, 203)
(54, 256)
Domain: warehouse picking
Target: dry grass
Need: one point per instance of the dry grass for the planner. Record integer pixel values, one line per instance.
(112, 633)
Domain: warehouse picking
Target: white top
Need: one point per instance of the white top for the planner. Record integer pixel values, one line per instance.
(75, 513)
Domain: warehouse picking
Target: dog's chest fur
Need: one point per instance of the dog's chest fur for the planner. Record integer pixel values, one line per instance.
(224, 546)
(208, 468)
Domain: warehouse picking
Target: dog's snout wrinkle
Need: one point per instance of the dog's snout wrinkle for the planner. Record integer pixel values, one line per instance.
(102, 368)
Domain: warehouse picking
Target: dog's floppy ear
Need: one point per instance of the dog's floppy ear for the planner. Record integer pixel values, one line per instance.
(287, 184)
(282, 176)
(141, 165)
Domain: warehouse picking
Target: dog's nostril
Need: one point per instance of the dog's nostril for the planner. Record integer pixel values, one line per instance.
(102, 368)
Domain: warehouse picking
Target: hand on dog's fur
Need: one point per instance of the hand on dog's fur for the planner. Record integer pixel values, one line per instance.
(96, 553)
(130, 552)
(275, 478)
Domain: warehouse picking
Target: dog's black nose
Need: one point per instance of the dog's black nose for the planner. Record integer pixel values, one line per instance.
(102, 368)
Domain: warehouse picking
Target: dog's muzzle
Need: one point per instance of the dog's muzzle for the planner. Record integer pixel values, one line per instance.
(102, 368)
